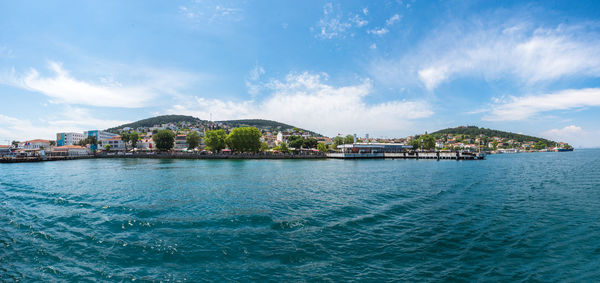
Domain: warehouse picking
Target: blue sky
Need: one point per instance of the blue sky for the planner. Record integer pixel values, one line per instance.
(387, 68)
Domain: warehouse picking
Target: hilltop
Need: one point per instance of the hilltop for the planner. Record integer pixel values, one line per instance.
(181, 119)
(474, 131)
(261, 123)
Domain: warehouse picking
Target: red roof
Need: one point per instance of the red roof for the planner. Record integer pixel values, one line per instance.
(38, 141)
(4, 146)
(69, 147)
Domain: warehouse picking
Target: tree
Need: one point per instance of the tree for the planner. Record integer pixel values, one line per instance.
(349, 139)
(164, 139)
(193, 140)
(282, 147)
(428, 142)
(125, 137)
(310, 143)
(295, 141)
(15, 144)
(416, 143)
(322, 147)
(107, 147)
(540, 145)
(244, 139)
(52, 143)
(264, 147)
(215, 139)
(133, 139)
(495, 144)
(337, 141)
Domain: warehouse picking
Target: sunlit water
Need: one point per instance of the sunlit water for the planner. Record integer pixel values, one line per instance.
(513, 217)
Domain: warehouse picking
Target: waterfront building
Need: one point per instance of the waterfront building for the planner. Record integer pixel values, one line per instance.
(69, 138)
(181, 142)
(71, 150)
(100, 136)
(36, 144)
(116, 143)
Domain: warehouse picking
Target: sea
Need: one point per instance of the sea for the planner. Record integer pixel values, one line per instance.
(511, 217)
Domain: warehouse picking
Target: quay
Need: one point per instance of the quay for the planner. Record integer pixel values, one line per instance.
(398, 151)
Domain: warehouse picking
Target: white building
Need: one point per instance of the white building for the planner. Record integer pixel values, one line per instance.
(100, 135)
(69, 138)
(72, 150)
(116, 143)
(36, 144)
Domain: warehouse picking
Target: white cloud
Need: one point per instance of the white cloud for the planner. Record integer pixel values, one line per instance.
(521, 108)
(379, 31)
(358, 21)
(306, 100)
(373, 46)
(62, 87)
(6, 52)
(71, 120)
(393, 19)
(211, 12)
(495, 49)
(574, 135)
(365, 11)
(333, 23)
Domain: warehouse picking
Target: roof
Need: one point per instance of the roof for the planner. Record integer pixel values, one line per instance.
(117, 138)
(69, 147)
(38, 141)
(4, 146)
(374, 145)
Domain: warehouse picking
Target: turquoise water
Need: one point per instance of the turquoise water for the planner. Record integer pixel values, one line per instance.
(513, 217)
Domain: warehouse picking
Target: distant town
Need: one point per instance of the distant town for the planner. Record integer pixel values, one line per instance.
(263, 136)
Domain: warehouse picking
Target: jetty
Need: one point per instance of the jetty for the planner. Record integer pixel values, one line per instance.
(397, 151)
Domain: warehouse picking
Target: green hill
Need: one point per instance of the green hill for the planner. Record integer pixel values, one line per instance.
(474, 131)
(164, 119)
(260, 123)
(157, 121)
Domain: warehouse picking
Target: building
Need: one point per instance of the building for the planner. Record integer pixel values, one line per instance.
(181, 142)
(100, 136)
(69, 138)
(36, 144)
(116, 143)
(6, 151)
(71, 150)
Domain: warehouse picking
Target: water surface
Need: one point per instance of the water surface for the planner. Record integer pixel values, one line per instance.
(513, 217)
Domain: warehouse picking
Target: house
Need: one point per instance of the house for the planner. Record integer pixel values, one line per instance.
(6, 151)
(116, 143)
(71, 150)
(146, 143)
(36, 144)
(181, 142)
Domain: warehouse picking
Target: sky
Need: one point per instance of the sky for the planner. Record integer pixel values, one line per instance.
(383, 68)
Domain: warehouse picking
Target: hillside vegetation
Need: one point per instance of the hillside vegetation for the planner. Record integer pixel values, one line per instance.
(261, 123)
(476, 131)
(157, 121)
(164, 119)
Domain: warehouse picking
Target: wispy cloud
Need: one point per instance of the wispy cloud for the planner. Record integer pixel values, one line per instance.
(520, 108)
(62, 87)
(211, 11)
(334, 23)
(306, 100)
(497, 49)
(393, 19)
(379, 31)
